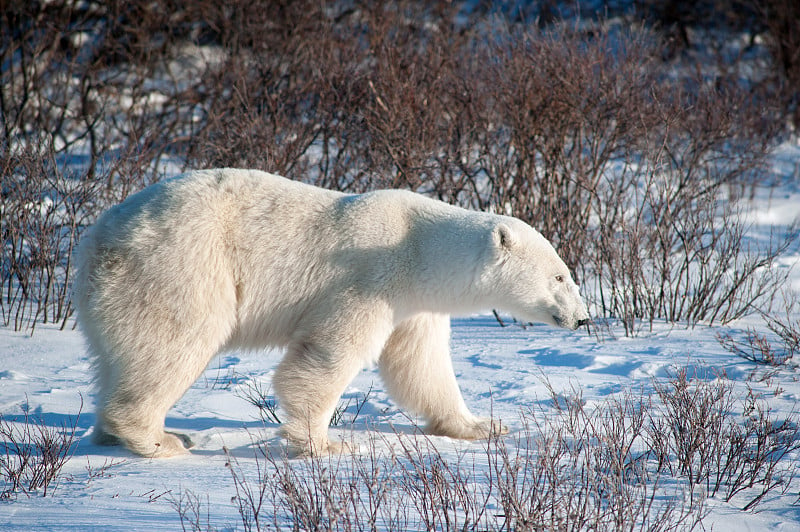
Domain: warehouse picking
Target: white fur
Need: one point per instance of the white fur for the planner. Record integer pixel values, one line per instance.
(223, 259)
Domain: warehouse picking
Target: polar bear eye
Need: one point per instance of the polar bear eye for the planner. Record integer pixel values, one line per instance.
(560, 278)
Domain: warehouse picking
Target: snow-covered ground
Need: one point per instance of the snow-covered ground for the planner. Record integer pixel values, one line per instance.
(502, 370)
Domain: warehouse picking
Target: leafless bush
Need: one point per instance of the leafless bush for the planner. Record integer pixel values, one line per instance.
(319, 493)
(415, 95)
(580, 129)
(250, 495)
(675, 245)
(551, 481)
(782, 21)
(446, 495)
(758, 347)
(629, 462)
(103, 471)
(42, 213)
(755, 347)
(776, 23)
(79, 76)
(32, 454)
(257, 395)
(690, 434)
(785, 324)
(350, 98)
(190, 511)
(692, 263)
(555, 109)
(711, 447)
(79, 132)
(756, 458)
(588, 469)
(355, 403)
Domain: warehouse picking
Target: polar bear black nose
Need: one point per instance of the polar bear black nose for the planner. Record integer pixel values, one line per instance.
(583, 322)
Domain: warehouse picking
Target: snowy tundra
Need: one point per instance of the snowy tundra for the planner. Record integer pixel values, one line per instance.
(227, 259)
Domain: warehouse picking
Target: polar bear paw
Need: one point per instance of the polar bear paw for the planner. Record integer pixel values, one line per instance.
(165, 445)
(157, 444)
(308, 449)
(306, 444)
(474, 428)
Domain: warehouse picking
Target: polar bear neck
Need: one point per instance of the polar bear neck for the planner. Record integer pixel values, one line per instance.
(422, 254)
(449, 260)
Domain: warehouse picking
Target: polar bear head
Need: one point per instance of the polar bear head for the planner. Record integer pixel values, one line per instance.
(529, 279)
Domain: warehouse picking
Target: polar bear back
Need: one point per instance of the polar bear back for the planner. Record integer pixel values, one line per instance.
(247, 237)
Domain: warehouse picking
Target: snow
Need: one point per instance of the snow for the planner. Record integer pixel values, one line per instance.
(500, 369)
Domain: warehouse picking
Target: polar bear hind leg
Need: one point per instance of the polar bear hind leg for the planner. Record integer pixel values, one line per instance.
(148, 350)
(416, 368)
(144, 387)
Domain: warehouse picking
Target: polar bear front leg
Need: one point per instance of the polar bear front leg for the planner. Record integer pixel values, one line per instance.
(309, 382)
(415, 366)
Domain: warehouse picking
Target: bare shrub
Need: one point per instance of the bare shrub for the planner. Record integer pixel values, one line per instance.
(446, 495)
(711, 447)
(587, 469)
(250, 495)
(32, 454)
(256, 104)
(412, 115)
(693, 30)
(80, 130)
(549, 479)
(78, 76)
(692, 263)
(103, 471)
(629, 462)
(189, 507)
(758, 347)
(758, 453)
(355, 404)
(556, 109)
(42, 213)
(257, 395)
(785, 324)
(675, 245)
(782, 21)
(755, 347)
(318, 493)
(635, 176)
(579, 129)
(348, 98)
(691, 431)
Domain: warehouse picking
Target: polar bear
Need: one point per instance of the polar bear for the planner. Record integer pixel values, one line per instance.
(240, 259)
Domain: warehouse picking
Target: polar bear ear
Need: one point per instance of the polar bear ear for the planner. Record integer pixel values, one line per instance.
(504, 236)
